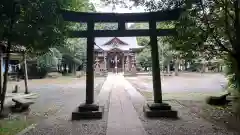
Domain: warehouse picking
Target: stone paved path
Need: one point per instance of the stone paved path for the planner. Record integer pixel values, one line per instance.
(122, 118)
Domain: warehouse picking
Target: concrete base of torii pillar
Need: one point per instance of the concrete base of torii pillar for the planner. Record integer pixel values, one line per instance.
(88, 111)
(156, 110)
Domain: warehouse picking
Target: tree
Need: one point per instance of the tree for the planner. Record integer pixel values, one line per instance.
(205, 30)
(144, 58)
(166, 53)
(35, 24)
(106, 26)
(212, 28)
(49, 60)
(74, 53)
(72, 49)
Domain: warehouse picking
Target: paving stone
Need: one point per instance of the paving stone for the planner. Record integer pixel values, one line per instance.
(135, 131)
(122, 118)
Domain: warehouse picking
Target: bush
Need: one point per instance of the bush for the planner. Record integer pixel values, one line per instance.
(35, 72)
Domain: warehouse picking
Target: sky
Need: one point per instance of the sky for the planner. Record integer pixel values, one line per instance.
(102, 8)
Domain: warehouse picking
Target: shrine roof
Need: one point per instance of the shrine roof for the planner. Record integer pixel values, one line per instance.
(122, 43)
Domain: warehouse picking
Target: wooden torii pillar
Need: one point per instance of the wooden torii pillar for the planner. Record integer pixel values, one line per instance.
(155, 109)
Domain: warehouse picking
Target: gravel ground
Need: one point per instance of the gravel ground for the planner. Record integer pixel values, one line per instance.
(61, 126)
(221, 116)
(187, 124)
(60, 123)
(225, 116)
(184, 83)
(55, 99)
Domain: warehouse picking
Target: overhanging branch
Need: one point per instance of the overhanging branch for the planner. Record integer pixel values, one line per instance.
(227, 29)
(224, 3)
(211, 30)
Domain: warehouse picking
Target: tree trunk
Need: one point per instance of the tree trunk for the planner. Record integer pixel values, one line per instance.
(176, 67)
(1, 72)
(5, 80)
(203, 68)
(74, 69)
(168, 68)
(25, 74)
(185, 65)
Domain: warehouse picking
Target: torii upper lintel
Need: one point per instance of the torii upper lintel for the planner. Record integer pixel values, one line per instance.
(166, 15)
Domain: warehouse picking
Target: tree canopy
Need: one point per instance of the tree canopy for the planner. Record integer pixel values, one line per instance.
(36, 24)
(39, 27)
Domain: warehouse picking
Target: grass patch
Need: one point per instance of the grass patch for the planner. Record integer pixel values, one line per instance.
(14, 126)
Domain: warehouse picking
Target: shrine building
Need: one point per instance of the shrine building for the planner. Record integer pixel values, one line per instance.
(116, 54)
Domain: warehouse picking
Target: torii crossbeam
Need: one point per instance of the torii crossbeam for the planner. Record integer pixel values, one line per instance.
(157, 108)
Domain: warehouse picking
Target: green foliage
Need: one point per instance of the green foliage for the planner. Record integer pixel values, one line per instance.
(232, 73)
(50, 59)
(206, 30)
(75, 50)
(166, 53)
(106, 26)
(72, 50)
(37, 26)
(144, 58)
(209, 30)
(77, 5)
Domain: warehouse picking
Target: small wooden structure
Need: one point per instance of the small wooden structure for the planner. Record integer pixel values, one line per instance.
(18, 53)
(89, 109)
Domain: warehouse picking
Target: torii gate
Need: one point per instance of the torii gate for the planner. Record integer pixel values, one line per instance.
(155, 109)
